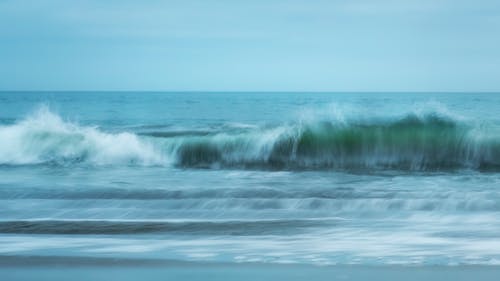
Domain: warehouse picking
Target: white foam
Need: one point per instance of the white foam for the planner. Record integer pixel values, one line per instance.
(45, 137)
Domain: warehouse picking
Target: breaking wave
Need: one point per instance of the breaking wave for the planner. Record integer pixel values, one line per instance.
(430, 141)
(45, 138)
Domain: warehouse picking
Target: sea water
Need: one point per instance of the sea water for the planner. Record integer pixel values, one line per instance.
(273, 178)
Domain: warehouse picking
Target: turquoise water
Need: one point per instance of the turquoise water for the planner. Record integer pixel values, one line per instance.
(274, 178)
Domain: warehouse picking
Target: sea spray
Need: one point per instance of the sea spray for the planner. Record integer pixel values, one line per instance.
(44, 137)
(421, 142)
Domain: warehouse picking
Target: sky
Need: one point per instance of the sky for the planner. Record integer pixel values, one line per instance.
(257, 45)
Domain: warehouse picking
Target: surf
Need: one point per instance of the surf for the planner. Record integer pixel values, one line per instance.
(425, 142)
(45, 138)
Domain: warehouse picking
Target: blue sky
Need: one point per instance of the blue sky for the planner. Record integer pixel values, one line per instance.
(377, 45)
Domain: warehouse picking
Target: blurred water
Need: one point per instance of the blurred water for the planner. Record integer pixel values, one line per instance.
(97, 175)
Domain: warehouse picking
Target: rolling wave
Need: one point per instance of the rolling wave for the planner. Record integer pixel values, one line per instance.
(414, 142)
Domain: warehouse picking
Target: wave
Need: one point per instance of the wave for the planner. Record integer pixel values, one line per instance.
(430, 141)
(183, 194)
(45, 138)
(80, 227)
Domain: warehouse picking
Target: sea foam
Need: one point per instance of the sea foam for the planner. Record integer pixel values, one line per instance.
(44, 137)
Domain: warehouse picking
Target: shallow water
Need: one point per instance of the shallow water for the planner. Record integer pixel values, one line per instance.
(321, 179)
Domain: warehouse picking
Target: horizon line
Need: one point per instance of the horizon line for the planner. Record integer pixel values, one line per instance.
(243, 91)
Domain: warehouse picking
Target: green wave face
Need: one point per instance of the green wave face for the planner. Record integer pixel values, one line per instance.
(412, 143)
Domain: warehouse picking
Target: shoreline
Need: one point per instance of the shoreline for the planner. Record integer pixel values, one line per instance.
(94, 268)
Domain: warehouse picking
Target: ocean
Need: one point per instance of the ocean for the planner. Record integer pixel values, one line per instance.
(306, 179)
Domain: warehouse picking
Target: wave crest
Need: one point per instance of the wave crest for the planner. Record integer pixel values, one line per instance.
(45, 138)
(415, 142)
(429, 142)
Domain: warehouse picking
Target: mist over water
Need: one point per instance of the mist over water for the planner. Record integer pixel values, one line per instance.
(234, 177)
